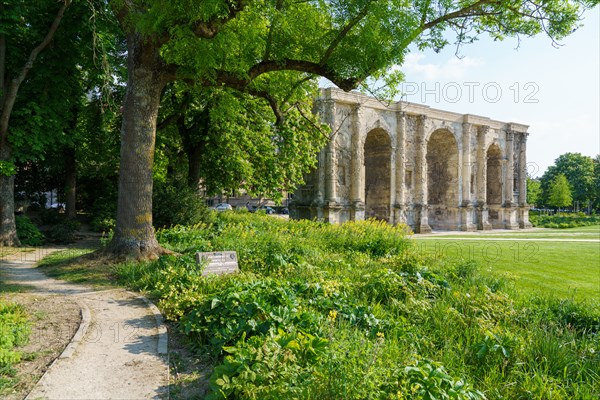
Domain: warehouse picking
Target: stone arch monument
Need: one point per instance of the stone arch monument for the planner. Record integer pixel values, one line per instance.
(412, 164)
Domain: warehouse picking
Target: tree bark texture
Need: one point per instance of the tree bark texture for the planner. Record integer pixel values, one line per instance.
(134, 234)
(70, 183)
(8, 228)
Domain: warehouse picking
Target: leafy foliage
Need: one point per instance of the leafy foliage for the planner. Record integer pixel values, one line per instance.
(559, 192)
(15, 330)
(354, 311)
(177, 205)
(29, 234)
(63, 232)
(563, 220)
(580, 174)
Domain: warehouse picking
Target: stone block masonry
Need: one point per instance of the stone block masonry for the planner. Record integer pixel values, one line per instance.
(411, 164)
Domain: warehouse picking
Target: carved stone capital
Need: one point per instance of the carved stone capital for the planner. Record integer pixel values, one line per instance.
(510, 135)
(483, 130)
(524, 136)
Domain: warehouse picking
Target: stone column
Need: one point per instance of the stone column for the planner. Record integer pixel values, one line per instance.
(357, 185)
(399, 202)
(523, 170)
(330, 208)
(482, 211)
(523, 206)
(467, 206)
(421, 217)
(482, 131)
(331, 173)
(466, 164)
(509, 211)
(510, 169)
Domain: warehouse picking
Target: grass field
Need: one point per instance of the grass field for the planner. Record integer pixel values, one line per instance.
(560, 262)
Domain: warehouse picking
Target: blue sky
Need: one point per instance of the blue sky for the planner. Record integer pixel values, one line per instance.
(555, 91)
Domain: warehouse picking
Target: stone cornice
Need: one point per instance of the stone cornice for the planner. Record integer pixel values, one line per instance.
(413, 109)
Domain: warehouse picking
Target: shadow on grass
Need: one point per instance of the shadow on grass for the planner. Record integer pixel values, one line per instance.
(81, 266)
(7, 287)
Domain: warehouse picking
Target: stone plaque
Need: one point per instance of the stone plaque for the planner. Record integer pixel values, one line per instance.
(219, 262)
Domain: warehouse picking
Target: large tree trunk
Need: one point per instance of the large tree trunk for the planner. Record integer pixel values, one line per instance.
(8, 228)
(70, 183)
(134, 234)
(194, 155)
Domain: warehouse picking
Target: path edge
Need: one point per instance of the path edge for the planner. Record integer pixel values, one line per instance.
(86, 318)
(163, 336)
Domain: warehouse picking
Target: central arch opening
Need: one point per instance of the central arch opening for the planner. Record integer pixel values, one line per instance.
(442, 180)
(378, 152)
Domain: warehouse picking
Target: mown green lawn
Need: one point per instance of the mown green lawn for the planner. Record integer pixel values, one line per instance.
(537, 264)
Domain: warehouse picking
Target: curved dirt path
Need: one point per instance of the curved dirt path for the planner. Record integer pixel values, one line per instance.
(119, 351)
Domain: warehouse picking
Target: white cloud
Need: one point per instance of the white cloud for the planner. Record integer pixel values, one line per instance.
(452, 69)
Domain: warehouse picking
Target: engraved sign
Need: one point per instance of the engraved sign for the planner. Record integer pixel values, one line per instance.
(219, 262)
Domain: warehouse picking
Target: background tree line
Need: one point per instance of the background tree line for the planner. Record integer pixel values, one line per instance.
(573, 182)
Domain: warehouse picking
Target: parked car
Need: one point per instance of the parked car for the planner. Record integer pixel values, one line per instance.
(223, 207)
(266, 209)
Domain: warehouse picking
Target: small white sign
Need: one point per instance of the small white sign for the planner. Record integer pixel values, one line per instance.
(219, 262)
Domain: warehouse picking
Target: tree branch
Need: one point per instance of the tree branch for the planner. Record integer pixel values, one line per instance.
(269, 40)
(463, 12)
(11, 95)
(272, 102)
(302, 66)
(343, 33)
(209, 29)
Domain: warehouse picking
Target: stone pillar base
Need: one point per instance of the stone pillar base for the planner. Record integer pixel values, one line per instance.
(399, 214)
(524, 217)
(482, 219)
(421, 219)
(357, 211)
(331, 212)
(510, 217)
(466, 214)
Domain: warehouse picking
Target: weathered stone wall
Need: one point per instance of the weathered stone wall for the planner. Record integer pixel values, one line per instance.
(408, 163)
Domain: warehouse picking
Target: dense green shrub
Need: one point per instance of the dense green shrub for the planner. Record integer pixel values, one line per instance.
(564, 220)
(63, 232)
(355, 311)
(50, 216)
(14, 331)
(103, 216)
(176, 204)
(28, 233)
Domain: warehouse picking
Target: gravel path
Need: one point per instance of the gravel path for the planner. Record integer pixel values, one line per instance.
(119, 351)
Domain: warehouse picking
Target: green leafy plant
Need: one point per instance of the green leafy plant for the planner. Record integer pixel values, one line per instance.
(177, 204)
(14, 331)
(28, 233)
(64, 232)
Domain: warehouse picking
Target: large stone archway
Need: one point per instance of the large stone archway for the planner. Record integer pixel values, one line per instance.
(377, 153)
(412, 164)
(442, 180)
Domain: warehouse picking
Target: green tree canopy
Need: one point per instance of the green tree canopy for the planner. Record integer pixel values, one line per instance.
(234, 141)
(579, 172)
(534, 191)
(560, 192)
